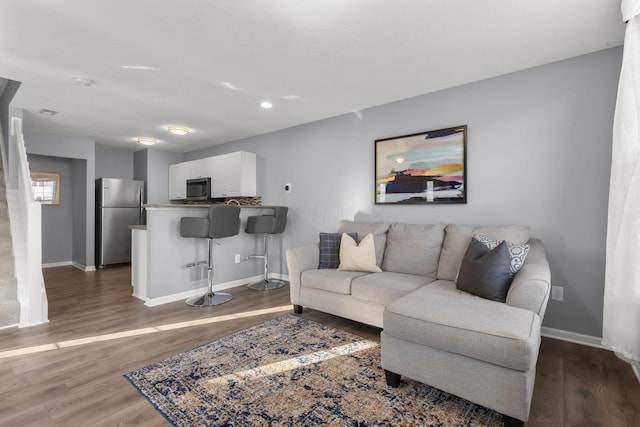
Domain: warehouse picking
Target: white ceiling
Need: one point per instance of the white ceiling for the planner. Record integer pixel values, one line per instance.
(214, 61)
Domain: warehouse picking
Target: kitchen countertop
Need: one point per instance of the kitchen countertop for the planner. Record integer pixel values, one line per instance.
(195, 205)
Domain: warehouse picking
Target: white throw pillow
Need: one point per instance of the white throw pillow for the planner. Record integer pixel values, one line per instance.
(358, 257)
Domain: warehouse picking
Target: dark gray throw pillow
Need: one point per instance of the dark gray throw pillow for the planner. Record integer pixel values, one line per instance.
(330, 249)
(485, 272)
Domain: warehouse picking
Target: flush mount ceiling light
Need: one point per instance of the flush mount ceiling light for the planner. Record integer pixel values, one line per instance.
(266, 105)
(178, 130)
(147, 141)
(48, 112)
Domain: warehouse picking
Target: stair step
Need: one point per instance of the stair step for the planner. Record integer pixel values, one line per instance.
(9, 305)
(7, 265)
(9, 313)
(8, 289)
(6, 247)
(5, 227)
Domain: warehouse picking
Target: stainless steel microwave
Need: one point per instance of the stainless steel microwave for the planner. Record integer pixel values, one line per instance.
(199, 189)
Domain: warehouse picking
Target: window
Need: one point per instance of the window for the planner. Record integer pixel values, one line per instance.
(46, 187)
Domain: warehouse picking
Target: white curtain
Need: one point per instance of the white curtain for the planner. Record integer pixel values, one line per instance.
(621, 315)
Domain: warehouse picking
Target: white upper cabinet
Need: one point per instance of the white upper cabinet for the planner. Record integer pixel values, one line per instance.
(232, 175)
(178, 175)
(200, 168)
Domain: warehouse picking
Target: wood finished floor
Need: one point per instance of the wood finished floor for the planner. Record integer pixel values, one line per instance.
(81, 383)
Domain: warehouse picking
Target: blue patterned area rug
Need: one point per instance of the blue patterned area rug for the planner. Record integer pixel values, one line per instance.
(291, 371)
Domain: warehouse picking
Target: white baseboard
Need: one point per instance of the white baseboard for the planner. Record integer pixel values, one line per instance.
(57, 264)
(573, 337)
(152, 302)
(84, 267)
(66, 263)
(589, 340)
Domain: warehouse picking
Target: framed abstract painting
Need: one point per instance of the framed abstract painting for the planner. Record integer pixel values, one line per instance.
(422, 168)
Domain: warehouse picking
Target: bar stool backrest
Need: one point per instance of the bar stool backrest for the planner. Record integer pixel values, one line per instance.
(270, 224)
(224, 221)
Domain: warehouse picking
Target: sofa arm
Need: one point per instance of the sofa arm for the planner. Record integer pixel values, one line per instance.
(531, 285)
(298, 260)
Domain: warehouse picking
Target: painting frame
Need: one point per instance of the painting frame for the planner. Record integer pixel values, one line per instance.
(435, 168)
(46, 187)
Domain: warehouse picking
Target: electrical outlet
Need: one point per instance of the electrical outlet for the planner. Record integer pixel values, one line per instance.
(557, 293)
(237, 258)
(287, 188)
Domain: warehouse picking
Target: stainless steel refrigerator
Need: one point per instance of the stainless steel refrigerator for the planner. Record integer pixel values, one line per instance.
(118, 205)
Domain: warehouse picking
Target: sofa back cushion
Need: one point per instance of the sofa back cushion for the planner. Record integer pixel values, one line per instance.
(413, 249)
(458, 237)
(378, 229)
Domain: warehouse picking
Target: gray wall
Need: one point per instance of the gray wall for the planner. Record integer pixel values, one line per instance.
(140, 169)
(84, 213)
(539, 152)
(82, 152)
(57, 220)
(113, 162)
(158, 162)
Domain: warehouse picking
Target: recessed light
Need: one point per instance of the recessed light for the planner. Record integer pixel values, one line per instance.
(178, 130)
(48, 112)
(147, 141)
(266, 105)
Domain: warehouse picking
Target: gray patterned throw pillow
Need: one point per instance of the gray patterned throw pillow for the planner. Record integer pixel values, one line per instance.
(517, 253)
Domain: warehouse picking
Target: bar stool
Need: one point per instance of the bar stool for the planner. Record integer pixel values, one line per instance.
(222, 221)
(267, 224)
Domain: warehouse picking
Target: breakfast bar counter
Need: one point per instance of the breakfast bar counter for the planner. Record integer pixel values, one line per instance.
(160, 256)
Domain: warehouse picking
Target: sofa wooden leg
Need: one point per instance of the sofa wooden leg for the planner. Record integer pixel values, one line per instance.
(512, 422)
(297, 309)
(393, 379)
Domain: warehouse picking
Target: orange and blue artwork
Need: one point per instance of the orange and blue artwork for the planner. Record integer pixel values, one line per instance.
(428, 167)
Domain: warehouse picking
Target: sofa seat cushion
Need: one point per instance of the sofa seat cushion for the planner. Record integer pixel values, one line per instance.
(386, 286)
(454, 321)
(330, 280)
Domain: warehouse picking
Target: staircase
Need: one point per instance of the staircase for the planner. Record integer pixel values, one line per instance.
(9, 305)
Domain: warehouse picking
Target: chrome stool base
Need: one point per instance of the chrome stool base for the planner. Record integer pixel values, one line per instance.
(265, 285)
(209, 299)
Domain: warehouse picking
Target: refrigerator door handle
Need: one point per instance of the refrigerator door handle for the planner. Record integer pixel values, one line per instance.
(140, 204)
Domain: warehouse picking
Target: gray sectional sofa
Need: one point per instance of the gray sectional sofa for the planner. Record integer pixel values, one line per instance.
(482, 350)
